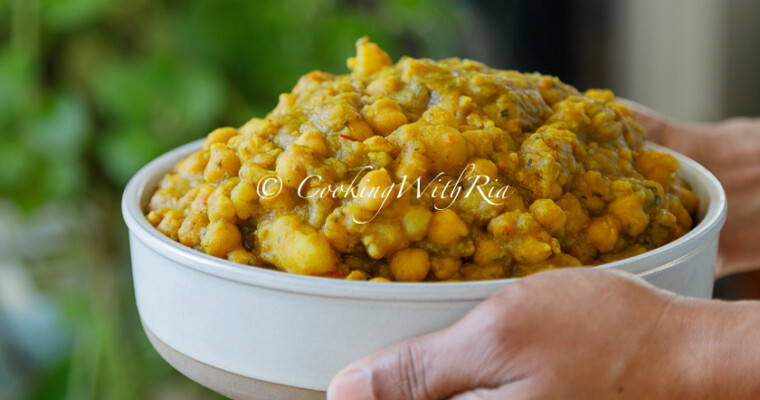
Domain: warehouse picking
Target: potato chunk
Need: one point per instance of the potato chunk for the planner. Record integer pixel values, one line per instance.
(296, 247)
(549, 215)
(603, 232)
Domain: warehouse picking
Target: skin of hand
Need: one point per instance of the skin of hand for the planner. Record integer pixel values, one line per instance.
(731, 151)
(572, 333)
(594, 334)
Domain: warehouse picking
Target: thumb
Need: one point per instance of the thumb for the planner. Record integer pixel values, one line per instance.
(429, 367)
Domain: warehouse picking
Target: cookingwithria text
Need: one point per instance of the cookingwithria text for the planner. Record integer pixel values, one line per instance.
(489, 190)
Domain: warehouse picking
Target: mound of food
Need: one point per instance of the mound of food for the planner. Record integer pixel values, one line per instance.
(426, 171)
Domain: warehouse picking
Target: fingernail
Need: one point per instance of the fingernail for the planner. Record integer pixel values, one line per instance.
(351, 385)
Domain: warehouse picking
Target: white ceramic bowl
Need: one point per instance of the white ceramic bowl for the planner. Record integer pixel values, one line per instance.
(255, 333)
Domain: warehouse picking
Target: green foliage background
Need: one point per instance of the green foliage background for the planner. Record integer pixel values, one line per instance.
(91, 90)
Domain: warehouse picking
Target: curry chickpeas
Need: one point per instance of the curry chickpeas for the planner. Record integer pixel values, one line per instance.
(426, 171)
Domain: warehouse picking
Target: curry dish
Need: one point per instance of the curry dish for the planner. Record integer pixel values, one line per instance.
(426, 171)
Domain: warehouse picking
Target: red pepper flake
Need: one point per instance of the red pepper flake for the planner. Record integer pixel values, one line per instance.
(348, 137)
(338, 274)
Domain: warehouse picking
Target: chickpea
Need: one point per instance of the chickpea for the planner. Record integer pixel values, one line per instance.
(248, 146)
(338, 234)
(446, 228)
(629, 211)
(481, 169)
(412, 165)
(360, 130)
(482, 145)
(220, 238)
(593, 188)
(314, 141)
(219, 135)
(603, 232)
(387, 122)
(290, 167)
(171, 187)
(620, 188)
(658, 167)
(383, 237)
(604, 125)
(369, 58)
(379, 144)
(281, 198)
(384, 85)
(514, 202)
(186, 201)
(374, 190)
(223, 163)
(379, 279)
(445, 147)
(154, 217)
(410, 265)
(242, 256)
(265, 128)
(170, 224)
(200, 200)
(505, 225)
(683, 218)
(385, 116)
(527, 223)
(220, 206)
(576, 217)
(549, 215)
(357, 276)
(488, 251)
(688, 198)
(253, 173)
(190, 232)
(193, 164)
(333, 115)
(437, 115)
(531, 250)
(445, 267)
(243, 197)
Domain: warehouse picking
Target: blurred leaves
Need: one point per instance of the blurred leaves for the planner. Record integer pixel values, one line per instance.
(106, 85)
(59, 15)
(155, 104)
(55, 170)
(91, 90)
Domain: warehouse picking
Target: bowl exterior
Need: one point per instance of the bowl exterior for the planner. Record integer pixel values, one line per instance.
(275, 336)
(304, 340)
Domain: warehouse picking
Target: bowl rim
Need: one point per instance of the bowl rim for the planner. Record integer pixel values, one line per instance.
(140, 229)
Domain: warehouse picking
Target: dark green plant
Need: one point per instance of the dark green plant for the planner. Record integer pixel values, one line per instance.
(91, 90)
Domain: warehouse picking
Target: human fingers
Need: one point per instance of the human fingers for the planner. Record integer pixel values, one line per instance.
(653, 122)
(428, 367)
